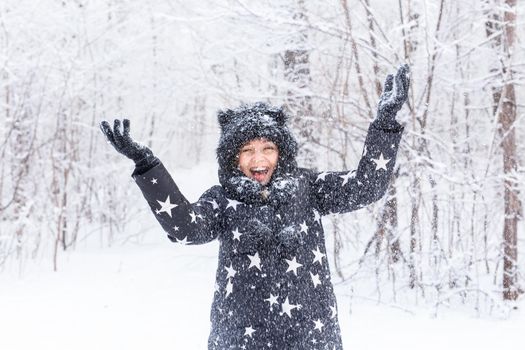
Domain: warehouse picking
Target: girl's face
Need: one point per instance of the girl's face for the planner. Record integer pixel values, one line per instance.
(258, 159)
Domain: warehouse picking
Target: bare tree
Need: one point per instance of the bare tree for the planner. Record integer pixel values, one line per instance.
(501, 31)
(297, 72)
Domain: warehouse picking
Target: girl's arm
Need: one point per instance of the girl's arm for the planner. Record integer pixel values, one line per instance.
(184, 222)
(341, 192)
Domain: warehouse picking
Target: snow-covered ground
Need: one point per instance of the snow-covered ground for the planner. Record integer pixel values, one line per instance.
(152, 294)
(157, 295)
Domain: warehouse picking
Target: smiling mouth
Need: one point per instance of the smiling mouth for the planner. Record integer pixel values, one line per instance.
(259, 173)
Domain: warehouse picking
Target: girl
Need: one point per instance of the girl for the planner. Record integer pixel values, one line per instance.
(273, 285)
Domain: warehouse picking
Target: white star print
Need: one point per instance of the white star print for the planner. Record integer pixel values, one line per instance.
(214, 204)
(334, 311)
(255, 261)
(364, 151)
(315, 279)
(166, 206)
(175, 228)
(183, 241)
(322, 176)
(193, 216)
(154, 181)
(381, 162)
(319, 325)
(317, 217)
(287, 308)
(249, 331)
(318, 256)
(293, 265)
(304, 227)
(232, 203)
(272, 300)
(236, 234)
(231, 271)
(229, 288)
(349, 175)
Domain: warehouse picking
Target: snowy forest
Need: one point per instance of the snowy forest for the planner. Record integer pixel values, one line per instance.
(448, 232)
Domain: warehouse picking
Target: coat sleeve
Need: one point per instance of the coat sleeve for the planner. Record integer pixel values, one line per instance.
(184, 222)
(345, 191)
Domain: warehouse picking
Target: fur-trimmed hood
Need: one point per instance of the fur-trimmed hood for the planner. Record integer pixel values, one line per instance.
(246, 123)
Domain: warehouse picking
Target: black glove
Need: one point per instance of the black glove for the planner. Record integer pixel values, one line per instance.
(290, 237)
(395, 93)
(256, 235)
(140, 154)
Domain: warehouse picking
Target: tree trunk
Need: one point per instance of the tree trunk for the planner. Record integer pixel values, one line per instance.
(298, 102)
(505, 109)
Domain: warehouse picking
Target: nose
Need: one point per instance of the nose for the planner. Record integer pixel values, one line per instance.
(259, 156)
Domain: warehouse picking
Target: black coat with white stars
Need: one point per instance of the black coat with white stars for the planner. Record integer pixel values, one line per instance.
(273, 293)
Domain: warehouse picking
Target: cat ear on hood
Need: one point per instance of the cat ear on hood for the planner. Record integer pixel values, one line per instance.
(224, 117)
(280, 116)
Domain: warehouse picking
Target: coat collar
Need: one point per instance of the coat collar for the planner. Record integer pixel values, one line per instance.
(279, 190)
